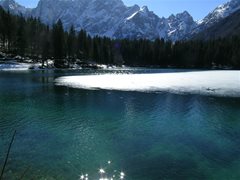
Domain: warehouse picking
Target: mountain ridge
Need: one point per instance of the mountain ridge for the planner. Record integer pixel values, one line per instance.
(219, 13)
(228, 27)
(115, 20)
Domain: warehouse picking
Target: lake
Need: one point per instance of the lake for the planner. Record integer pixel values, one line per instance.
(64, 132)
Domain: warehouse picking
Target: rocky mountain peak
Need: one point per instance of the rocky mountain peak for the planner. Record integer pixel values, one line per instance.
(13, 7)
(113, 19)
(219, 13)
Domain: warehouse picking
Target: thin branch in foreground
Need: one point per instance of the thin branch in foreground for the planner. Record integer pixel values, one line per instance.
(8, 152)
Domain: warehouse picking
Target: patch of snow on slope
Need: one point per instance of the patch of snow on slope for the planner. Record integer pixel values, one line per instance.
(130, 17)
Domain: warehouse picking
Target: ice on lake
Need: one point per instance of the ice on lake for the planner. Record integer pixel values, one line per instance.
(216, 83)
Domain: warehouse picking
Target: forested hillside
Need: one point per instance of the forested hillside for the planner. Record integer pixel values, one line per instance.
(31, 38)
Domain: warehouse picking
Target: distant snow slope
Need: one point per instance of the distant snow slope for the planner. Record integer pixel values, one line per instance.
(216, 83)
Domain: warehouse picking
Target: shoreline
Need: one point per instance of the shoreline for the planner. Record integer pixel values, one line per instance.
(10, 62)
(14, 64)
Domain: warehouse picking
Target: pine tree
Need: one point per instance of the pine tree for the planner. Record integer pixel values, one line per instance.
(9, 23)
(21, 43)
(71, 45)
(45, 45)
(58, 44)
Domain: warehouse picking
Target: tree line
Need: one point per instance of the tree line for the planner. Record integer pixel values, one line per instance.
(29, 37)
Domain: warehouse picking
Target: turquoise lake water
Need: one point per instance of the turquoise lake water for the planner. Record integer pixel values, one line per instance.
(64, 132)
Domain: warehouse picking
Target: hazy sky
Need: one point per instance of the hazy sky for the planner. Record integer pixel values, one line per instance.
(197, 8)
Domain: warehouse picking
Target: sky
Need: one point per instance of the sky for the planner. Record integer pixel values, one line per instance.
(197, 8)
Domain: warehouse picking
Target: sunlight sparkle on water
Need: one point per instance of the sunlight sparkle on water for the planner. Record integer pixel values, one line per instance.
(104, 175)
(101, 171)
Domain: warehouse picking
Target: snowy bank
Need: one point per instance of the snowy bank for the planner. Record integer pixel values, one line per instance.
(27, 65)
(216, 83)
(12, 66)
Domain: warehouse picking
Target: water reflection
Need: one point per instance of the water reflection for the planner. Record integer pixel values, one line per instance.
(63, 132)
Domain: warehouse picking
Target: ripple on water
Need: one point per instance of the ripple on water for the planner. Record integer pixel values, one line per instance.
(63, 132)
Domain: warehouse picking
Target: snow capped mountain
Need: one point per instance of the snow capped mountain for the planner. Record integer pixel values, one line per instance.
(144, 23)
(108, 18)
(139, 24)
(219, 13)
(97, 17)
(227, 27)
(180, 25)
(113, 19)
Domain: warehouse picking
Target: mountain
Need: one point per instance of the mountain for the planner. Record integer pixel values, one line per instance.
(108, 18)
(97, 17)
(180, 25)
(218, 14)
(229, 26)
(13, 7)
(113, 19)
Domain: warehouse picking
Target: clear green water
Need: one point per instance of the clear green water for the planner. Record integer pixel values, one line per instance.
(64, 132)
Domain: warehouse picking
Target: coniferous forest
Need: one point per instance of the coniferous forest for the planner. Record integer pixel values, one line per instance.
(28, 37)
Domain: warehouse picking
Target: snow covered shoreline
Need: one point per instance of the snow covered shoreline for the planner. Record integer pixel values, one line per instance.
(23, 66)
(14, 65)
(214, 83)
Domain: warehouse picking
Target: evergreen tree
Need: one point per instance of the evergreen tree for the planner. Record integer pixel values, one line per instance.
(71, 45)
(9, 23)
(21, 38)
(45, 45)
(30, 37)
(58, 44)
